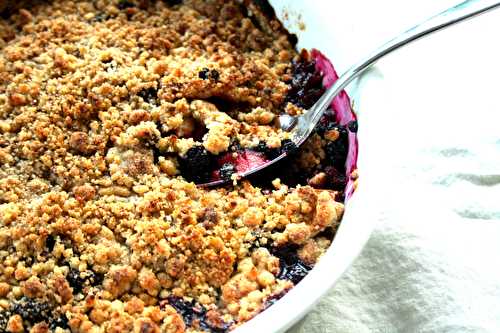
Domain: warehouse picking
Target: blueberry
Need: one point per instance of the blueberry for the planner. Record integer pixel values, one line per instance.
(301, 79)
(78, 280)
(335, 180)
(273, 299)
(186, 309)
(75, 280)
(336, 151)
(214, 75)
(235, 146)
(148, 95)
(197, 165)
(31, 310)
(100, 17)
(124, 4)
(4, 319)
(307, 97)
(327, 233)
(287, 253)
(294, 272)
(265, 7)
(96, 278)
(325, 125)
(288, 146)
(226, 171)
(271, 153)
(353, 126)
(50, 242)
(261, 147)
(60, 321)
(203, 74)
(306, 85)
(172, 2)
(292, 268)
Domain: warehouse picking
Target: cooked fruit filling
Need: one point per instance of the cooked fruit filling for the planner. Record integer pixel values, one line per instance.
(111, 112)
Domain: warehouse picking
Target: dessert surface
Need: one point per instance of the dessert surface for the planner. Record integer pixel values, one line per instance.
(109, 111)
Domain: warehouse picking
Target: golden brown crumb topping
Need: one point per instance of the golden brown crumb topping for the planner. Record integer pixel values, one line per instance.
(98, 229)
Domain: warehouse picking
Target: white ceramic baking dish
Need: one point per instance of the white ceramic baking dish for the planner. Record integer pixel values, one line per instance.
(310, 20)
(313, 22)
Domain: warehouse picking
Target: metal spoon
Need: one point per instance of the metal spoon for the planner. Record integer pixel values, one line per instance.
(302, 126)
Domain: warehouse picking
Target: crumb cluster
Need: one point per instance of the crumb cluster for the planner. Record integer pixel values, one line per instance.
(100, 103)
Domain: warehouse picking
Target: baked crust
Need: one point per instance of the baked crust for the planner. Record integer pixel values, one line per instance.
(98, 101)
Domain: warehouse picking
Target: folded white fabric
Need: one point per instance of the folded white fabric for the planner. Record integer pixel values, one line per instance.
(430, 149)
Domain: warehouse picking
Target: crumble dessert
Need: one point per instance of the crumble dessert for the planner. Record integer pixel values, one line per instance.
(110, 112)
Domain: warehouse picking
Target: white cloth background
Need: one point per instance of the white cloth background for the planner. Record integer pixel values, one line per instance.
(430, 136)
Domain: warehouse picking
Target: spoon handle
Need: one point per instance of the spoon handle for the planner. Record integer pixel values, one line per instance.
(452, 15)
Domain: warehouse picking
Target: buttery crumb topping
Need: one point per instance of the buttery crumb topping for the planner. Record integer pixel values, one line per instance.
(103, 104)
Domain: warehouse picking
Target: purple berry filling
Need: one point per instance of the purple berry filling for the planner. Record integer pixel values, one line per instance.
(195, 315)
(292, 268)
(343, 115)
